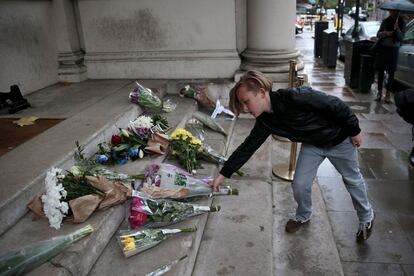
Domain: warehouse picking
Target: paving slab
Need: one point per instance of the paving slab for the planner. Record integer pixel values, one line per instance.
(259, 165)
(335, 194)
(369, 269)
(238, 241)
(386, 163)
(311, 250)
(388, 242)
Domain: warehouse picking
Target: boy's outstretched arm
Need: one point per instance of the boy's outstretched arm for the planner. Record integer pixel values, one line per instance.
(217, 182)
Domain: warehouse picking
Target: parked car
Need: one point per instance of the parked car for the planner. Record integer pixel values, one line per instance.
(363, 14)
(366, 30)
(405, 66)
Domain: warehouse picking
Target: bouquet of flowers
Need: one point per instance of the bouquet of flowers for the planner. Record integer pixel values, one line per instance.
(199, 93)
(186, 148)
(91, 166)
(168, 181)
(130, 143)
(209, 122)
(76, 195)
(25, 259)
(123, 146)
(148, 100)
(153, 213)
(136, 241)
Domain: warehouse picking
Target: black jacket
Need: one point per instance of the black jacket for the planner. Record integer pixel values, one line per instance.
(302, 115)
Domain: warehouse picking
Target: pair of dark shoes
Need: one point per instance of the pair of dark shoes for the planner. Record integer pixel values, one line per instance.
(364, 229)
(387, 98)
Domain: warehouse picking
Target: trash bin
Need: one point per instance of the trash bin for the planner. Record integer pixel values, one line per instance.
(366, 74)
(320, 26)
(329, 48)
(353, 51)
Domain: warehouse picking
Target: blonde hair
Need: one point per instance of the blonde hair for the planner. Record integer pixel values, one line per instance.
(253, 80)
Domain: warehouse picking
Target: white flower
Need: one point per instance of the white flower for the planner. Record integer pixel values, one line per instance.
(54, 209)
(141, 153)
(141, 122)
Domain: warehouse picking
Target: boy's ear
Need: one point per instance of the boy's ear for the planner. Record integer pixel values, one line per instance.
(262, 91)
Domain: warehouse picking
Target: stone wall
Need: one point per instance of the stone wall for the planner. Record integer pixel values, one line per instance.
(159, 39)
(28, 54)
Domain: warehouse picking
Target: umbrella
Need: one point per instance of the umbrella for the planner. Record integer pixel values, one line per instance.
(399, 5)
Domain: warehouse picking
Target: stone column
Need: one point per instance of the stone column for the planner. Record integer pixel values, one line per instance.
(271, 38)
(70, 55)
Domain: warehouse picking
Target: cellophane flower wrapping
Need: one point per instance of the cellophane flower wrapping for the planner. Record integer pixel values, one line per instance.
(136, 241)
(186, 148)
(145, 98)
(25, 259)
(169, 177)
(195, 127)
(153, 213)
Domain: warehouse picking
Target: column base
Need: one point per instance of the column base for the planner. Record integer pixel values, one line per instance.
(71, 67)
(274, 64)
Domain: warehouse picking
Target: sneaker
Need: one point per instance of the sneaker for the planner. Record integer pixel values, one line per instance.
(365, 230)
(293, 225)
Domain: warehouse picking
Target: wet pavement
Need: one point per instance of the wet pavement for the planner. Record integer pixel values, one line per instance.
(383, 160)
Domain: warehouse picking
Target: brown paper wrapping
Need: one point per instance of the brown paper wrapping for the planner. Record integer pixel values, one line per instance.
(204, 99)
(157, 192)
(115, 192)
(83, 207)
(158, 143)
(36, 206)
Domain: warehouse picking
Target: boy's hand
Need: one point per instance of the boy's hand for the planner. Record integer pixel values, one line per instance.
(357, 140)
(217, 182)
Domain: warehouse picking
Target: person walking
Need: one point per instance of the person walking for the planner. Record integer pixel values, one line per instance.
(324, 124)
(390, 35)
(404, 101)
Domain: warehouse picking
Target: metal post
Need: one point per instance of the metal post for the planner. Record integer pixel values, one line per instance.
(355, 32)
(280, 170)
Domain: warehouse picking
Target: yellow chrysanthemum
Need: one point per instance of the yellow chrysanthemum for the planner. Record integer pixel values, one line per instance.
(128, 243)
(181, 134)
(196, 141)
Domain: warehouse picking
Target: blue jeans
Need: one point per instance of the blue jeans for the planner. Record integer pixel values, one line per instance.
(345, 159)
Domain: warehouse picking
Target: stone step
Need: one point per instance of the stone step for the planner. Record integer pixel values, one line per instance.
(113, 262)
(23, 169)
(78, 259)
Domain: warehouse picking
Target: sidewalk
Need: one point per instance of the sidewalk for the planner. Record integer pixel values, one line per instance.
(390, 181)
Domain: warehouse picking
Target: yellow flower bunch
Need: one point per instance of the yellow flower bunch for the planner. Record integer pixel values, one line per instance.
(128, 243)
(181, 134)
(186, 148)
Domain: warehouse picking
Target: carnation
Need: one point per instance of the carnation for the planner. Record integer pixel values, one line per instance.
(54, 209)
(141, 126)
